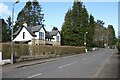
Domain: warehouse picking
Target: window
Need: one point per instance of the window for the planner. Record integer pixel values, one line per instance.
(23, 35)
(41, 35)
(57, 39)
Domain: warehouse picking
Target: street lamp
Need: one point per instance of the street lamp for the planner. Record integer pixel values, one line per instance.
(85, 43)
(12, 49)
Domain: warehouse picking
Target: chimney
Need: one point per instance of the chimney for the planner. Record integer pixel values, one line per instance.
(25, 24)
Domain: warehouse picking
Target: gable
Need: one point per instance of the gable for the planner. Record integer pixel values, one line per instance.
(42, 30)
(58, 34)
(26, 33)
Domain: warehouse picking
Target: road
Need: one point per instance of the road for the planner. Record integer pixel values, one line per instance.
(88, 65)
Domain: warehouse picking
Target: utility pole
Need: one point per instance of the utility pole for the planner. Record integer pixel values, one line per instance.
(85, 42)
(12, 49)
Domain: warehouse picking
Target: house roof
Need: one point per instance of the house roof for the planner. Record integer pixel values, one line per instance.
(54, 32)
(31, 30)
(48, 35)
(36, 28)
(18, 31)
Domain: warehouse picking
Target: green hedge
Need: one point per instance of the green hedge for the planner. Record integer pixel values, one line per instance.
(18, 49)
(39, 50)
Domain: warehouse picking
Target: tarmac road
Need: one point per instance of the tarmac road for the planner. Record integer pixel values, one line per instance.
(88, 65)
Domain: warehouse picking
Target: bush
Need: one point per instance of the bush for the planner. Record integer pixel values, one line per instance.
(6, 51)
(39, 51)
(19, 50)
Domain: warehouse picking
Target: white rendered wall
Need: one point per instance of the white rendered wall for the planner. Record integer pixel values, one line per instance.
(55, 38)
(19, 37)
(37, 33)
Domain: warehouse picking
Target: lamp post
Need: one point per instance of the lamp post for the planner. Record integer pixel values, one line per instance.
(12, 49)
(85, 43)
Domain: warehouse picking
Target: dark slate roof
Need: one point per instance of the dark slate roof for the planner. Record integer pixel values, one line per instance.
(54, 32)
(48, 35)
(29, 30)
(36, 28)
(18, 31)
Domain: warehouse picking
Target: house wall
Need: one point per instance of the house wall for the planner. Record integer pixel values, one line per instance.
(55, 38)
(19, 37)
(38, 42)
(37, 33)
(53, 43)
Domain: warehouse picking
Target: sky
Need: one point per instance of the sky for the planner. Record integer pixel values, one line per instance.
(54, 12)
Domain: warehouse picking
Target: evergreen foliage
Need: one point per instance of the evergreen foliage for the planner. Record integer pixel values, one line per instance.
(111, 35)
(66, 30)
(31, 13)
(76, 25)
(91, 31)
(4, 31)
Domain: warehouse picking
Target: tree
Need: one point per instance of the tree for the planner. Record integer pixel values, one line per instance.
(31, 13)
(91, 31)
(100, 35)
(9, 23)
(85, 25)
(37, 15)
(4, 31)
(75, 25)
(66, 29)
(111, 35)
(25, 14)
(76, 17)
(100, 22)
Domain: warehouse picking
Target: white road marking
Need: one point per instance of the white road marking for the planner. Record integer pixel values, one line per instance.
(66, 65)
(86, 58)
(35, 75)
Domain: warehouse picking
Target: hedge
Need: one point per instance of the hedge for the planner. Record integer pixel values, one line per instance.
(39, 51)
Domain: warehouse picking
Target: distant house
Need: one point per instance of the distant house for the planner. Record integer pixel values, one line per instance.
(54, 37)
(37, 35)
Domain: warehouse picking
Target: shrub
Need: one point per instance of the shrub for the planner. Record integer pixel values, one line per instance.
(39, 51)
(6, 51)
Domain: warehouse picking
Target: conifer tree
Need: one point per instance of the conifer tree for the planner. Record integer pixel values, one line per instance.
(76, 24)
(91, 31)
(66, 29)
(85, 25)
(111, 35)
(31, 13)
(4, 31)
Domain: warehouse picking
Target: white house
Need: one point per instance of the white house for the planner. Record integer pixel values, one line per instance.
(37, 35)
(54, 37)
